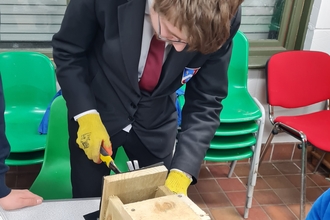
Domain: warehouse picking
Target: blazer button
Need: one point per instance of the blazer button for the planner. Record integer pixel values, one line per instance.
(133, 105)
(130, 118)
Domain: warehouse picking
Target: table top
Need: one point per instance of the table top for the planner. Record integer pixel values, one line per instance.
(68, 209)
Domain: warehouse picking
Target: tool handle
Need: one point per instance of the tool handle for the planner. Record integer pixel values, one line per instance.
(107, 159)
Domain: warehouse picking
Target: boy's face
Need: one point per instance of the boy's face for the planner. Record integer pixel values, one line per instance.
(167, 32)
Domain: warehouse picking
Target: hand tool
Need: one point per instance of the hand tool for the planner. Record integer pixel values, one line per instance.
(107, 159)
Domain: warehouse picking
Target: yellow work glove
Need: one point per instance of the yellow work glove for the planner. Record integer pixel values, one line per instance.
(178, 182)
(91, 135)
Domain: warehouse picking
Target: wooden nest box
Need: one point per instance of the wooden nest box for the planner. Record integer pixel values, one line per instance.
(141, 195)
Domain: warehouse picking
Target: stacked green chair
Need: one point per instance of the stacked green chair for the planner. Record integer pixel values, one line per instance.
(29, 85)
(239, 135)
(53, 181)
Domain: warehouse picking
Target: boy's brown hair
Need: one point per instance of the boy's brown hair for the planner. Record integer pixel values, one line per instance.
(206, 22)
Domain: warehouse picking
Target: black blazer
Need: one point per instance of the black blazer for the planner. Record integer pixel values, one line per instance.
(4, 147)
(97, 51)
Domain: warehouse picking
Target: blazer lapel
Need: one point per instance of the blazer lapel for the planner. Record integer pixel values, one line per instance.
(174, 65)
(130, 23)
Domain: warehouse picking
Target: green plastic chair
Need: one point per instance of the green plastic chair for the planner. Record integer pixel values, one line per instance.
(53, 181)
(239, 135)
(29, 85)
(239, 146)
(55, 170)
(23, 159)
(239, 106)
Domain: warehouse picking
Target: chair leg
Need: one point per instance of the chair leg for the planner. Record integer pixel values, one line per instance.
(319, 163)
(232, 167)
(265, 148)
(303, 178)
(254, 161)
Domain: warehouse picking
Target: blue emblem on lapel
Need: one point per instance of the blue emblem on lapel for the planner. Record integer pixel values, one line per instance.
(188, 73)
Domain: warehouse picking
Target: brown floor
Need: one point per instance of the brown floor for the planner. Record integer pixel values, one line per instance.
(276, 195)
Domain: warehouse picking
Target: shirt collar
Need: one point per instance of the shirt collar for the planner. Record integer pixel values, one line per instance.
(148, 4)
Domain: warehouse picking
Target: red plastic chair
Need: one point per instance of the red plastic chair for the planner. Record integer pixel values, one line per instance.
(298, 79)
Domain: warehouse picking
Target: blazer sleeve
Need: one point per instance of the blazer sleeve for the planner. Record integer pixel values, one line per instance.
(70, 47)
(4, 148)
(200, 114)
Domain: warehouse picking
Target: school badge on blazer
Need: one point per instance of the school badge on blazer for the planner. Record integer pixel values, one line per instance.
(188, 73)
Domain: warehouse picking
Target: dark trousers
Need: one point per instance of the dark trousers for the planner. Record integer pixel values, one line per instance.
(87, 176)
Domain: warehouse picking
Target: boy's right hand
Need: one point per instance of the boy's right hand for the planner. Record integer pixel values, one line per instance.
(91, 135)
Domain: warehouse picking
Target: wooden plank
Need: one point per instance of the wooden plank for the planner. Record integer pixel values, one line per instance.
(163, 191)
(116, 210)
(174, 207)
(132, 186)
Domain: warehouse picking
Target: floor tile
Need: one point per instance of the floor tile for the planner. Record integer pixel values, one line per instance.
(312, 193)
(239, 199)
(288, 196)
(296, 180)
(208, 212)
(192, 190)
(268, 169)
(215, 200)
(287, 167)
(260, 183)
(204, 173)
(12, 169)
(278, 182)
(295, 208)
(267, 156)
(319, 179)
(310, 167)
(266, 197)
(219, 171)
(25, 180)
(282, 151)
(297, 153)
(207, 185)
(255, 213)
(279, 212)
(232, 184)
(11, 180)
(242, 170)
(30, 168)
(324, 188)
(197, 199)
(229, 213)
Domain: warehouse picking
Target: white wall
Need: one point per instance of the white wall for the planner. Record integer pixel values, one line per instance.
(317, 38)
(318, 33)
